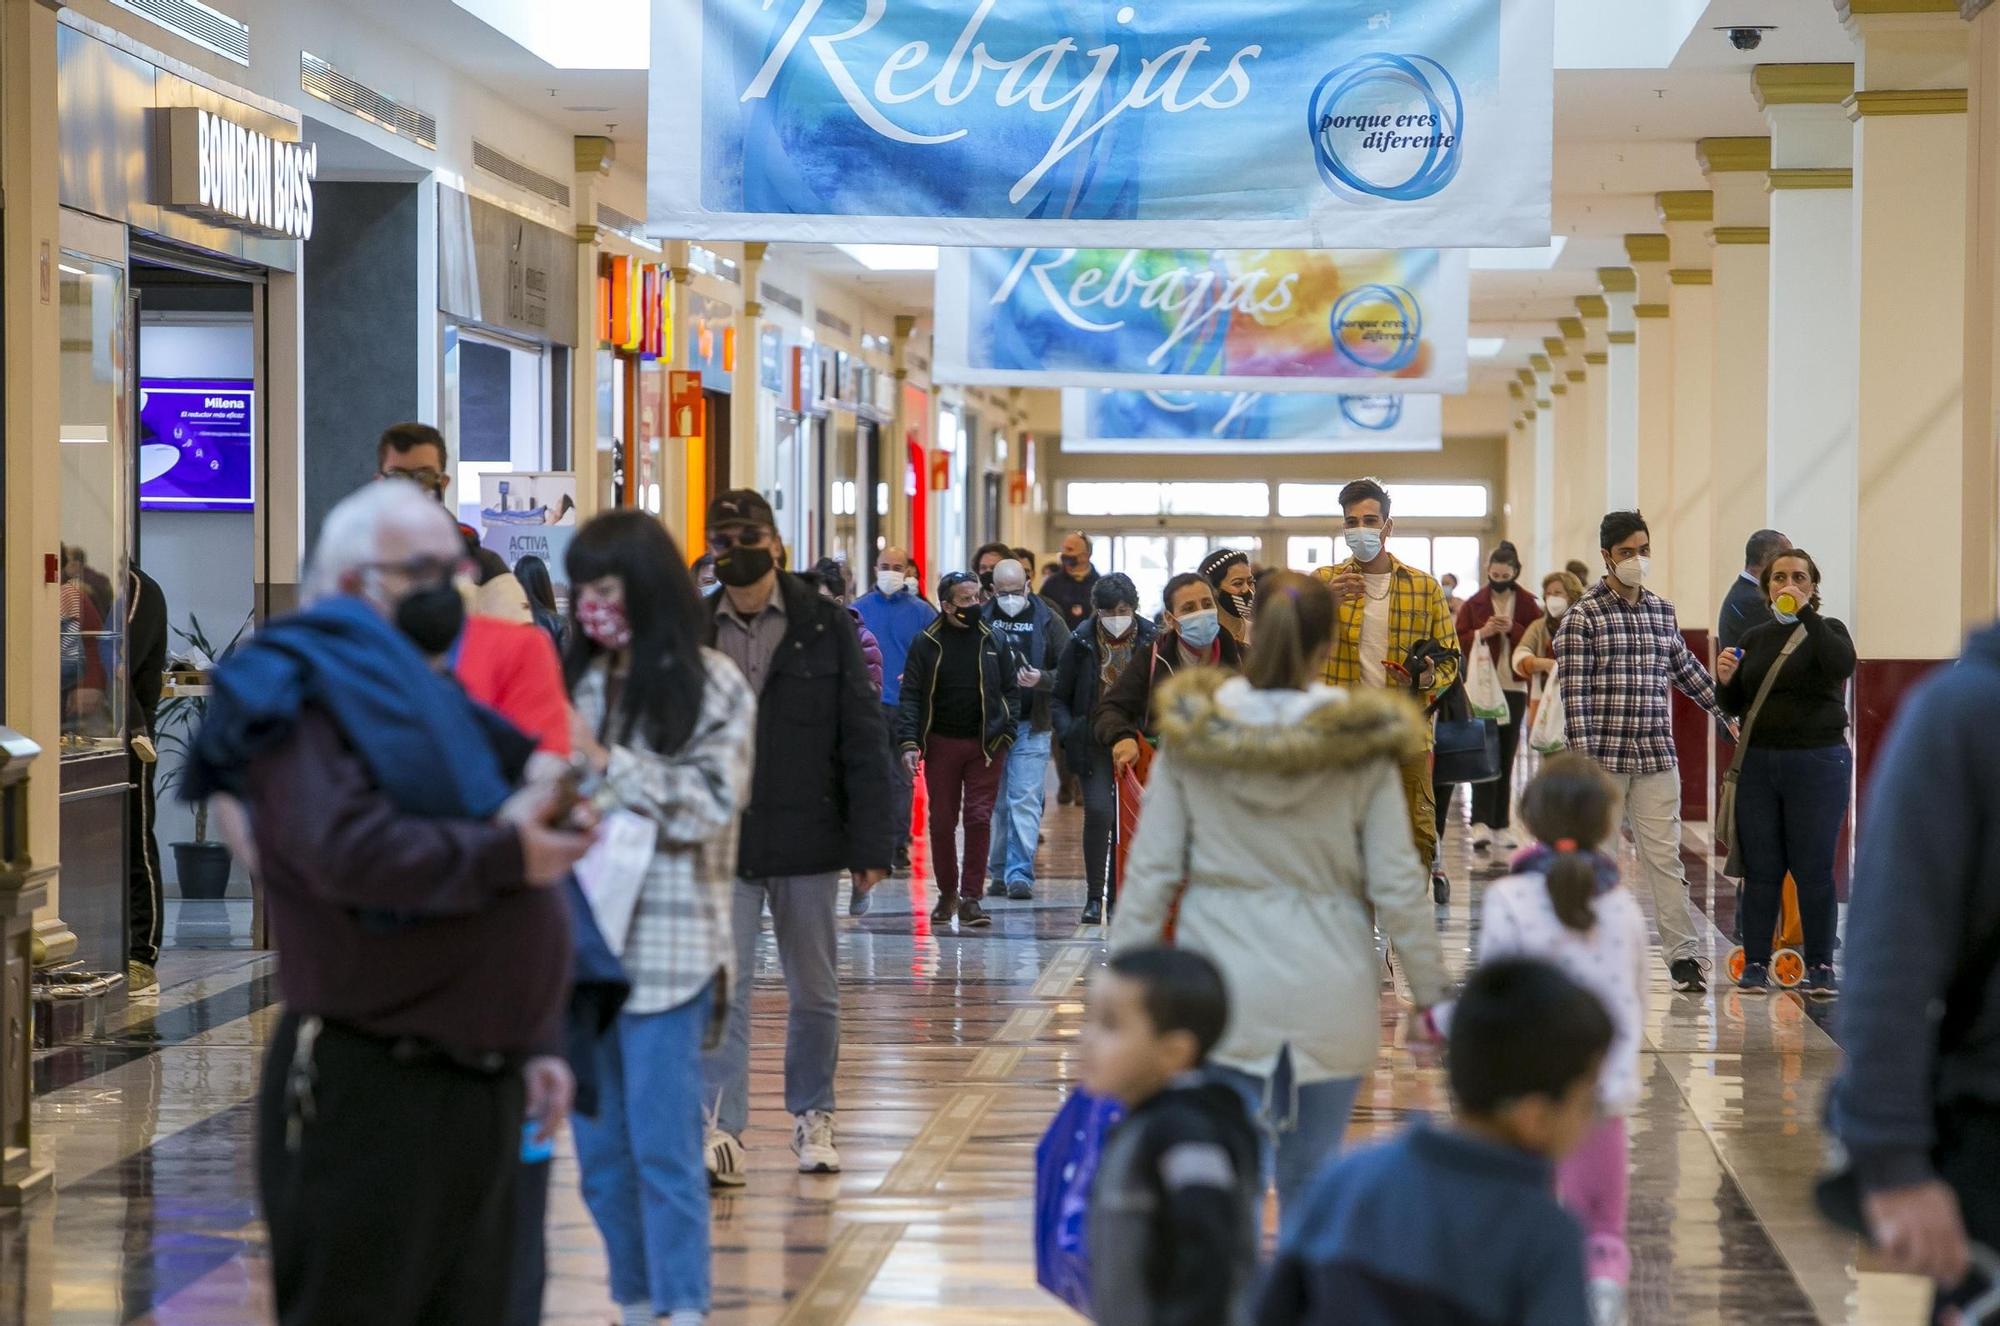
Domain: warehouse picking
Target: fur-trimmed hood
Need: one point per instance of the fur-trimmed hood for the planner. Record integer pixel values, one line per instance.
(1212, 719)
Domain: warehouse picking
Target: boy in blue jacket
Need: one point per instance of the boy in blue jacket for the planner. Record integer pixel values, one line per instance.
(1459, 1226)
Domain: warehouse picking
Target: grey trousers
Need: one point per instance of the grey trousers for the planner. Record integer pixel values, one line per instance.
(803, 909)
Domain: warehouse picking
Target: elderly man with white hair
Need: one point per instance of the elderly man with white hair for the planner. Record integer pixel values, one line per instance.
(1038, 638)
(423, 949)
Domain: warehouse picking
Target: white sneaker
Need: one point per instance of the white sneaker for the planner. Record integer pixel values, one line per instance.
(1607, 1303)
(1482, 838)
(812, 1142)
(727, 1163)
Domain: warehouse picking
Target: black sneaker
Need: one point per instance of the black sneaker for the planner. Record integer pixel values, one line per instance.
(903, 859)
(1756, 979)
(996, 889)
(1820, 982)
(947, 907)
(1021, 892)
(1688, 975)
(972, 916)
(1093, 912)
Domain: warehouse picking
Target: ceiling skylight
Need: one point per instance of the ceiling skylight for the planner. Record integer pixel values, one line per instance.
(893, 257)
(1485, 347)
(1519, 260)
(579, 34)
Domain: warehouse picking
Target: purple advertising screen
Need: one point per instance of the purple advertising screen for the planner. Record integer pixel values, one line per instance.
(196, 444)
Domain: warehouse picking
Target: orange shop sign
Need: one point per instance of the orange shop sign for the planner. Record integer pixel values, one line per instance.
(687, 410)
(1017, 488)
(940, 471)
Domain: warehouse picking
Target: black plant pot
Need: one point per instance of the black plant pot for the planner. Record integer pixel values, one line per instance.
(204, 869)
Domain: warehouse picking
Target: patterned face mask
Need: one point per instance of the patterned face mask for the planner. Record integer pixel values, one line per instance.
(603, 622)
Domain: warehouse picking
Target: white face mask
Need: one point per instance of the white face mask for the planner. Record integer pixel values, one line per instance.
(1558, 605)
(910, 583)
(1633, 571)
(1117, 627)
(1012, 604)
(889, 583)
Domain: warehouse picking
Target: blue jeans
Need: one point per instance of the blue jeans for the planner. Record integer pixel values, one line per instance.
(1790, 805)
(1302, 1123)
(1017, 820)
(641, 1158)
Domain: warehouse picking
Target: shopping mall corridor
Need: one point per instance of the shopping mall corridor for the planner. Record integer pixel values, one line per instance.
(956, 1048)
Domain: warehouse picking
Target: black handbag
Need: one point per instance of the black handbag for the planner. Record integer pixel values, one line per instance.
(1468, 748)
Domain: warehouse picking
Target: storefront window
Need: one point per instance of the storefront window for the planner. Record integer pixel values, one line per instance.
(96, 504)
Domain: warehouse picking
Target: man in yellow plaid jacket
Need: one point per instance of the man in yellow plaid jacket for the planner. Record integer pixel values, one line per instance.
(1386, 609)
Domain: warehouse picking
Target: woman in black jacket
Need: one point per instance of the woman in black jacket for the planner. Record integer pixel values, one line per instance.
(1792, 793)
(957, 717)
(1192, 637)
(1097, 653)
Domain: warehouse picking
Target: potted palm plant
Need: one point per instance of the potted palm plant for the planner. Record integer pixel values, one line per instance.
(202, 865)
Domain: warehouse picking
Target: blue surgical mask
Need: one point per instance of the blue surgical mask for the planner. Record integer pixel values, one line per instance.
(1198, 629)
(1364, 544)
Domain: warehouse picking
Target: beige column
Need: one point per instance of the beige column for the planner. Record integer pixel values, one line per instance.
(747, 407)
(1571, 430)
(1980, 586)
(1653, 368)
(1686, 572)
(1620, 377)
(1547, 508)
(1736, 170)
(895, 456)
(1910, 188)
(32, 248)
(1810, 470)
(1586, 335)
(593, 166)
(1518, 519)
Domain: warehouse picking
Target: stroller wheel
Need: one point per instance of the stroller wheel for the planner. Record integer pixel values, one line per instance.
(1733, 964)
(1788, 968)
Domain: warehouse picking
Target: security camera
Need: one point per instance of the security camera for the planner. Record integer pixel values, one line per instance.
(1747, 38)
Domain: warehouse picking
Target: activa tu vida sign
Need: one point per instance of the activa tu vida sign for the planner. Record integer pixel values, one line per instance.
(239, 177)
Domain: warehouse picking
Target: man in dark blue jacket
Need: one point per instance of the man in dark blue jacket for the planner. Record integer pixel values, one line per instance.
(1745, 606)
(1919, 1106)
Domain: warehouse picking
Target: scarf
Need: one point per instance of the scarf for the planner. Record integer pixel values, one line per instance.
(1116, 655)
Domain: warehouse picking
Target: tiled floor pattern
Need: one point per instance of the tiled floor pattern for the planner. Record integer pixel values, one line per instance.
(956, 1049)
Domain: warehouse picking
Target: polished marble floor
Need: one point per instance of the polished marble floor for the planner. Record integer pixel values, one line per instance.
(957, 1048)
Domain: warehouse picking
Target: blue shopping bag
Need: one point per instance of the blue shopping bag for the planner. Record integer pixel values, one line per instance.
(1065, 1167)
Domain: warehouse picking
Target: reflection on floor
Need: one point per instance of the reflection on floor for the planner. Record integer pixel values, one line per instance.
(957, 1048)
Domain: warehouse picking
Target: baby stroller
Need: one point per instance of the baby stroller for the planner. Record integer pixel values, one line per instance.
(1788, 959)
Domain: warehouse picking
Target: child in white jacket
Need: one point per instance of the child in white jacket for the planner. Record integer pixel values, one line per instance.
(1566, 905)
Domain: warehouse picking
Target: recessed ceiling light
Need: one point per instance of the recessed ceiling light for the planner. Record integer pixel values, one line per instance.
(1519, 260)
(893, 257)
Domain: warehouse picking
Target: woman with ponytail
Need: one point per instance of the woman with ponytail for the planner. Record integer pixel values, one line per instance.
(1565, 904)
(1275, 816)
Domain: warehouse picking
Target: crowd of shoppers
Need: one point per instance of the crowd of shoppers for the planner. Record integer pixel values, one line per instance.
(414, 774)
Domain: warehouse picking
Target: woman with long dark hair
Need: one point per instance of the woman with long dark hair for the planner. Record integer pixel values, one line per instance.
(668, 727)
(533, 573)
(1495, 619)
(1276, 817)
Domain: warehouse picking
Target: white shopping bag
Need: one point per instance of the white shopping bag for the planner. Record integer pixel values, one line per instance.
(1482, 687)
(614, 870)
(1551, 731)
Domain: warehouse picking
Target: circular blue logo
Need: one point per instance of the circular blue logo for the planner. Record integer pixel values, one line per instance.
(1376, 414)
(1378, 327)
(1388, 107)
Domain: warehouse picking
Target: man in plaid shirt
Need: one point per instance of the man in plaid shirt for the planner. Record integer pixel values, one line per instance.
(1386, 609)
(1617, 652)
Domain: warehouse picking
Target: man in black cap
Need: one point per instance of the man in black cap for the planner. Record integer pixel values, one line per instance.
(819, 802)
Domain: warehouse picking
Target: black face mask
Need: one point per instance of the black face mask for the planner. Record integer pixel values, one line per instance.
(741, 567)
(1238, 605)
(1499, 586)
(986, 581)
(431, 617)
(965, 616)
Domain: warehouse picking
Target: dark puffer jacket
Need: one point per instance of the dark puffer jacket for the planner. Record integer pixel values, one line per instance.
(819, 800)
(1075, 699)
(997, 666)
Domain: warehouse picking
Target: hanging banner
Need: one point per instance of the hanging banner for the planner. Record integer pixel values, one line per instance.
(1197, 423)
(1293, 123)
(1330, 320)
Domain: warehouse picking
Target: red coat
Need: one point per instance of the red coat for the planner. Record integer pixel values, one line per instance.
(513, 670)
(1478, 610)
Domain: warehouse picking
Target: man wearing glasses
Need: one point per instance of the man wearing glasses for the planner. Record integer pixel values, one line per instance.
(417, 452)
(819, 802)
